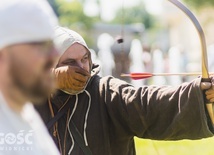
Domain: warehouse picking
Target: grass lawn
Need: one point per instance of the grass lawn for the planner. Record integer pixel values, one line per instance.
(183, 147)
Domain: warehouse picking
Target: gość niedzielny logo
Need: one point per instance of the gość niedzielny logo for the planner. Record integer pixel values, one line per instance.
(21, 141)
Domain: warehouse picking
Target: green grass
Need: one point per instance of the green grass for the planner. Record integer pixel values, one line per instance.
(183, 147)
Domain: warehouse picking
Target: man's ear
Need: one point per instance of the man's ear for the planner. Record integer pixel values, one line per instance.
(1, 60)
(1, 55)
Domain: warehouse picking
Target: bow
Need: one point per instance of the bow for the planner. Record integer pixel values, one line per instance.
(204, 62)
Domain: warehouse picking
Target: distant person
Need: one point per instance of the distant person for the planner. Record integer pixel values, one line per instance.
(97, 115)
(26, 57)
(105, 55)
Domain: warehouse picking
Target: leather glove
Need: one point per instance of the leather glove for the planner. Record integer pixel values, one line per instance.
(208, 87)
(71, 79)
(210, 93)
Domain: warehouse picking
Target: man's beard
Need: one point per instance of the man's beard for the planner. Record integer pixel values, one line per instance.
(36, 92)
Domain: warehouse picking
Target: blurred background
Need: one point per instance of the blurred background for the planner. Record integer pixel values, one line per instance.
(157, 37)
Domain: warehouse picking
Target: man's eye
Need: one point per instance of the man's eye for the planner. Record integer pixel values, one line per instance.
(44, 48)
(69, 62)
(86, 57)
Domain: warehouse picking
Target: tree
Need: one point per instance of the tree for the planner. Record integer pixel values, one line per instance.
(200, 3)
(136, 14)
(71, 15)
(54, 6)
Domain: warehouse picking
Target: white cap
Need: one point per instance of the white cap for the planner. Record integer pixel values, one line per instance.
(23, 21)
(64, 38)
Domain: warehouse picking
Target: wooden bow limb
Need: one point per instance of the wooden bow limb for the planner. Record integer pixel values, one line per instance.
(205, 74)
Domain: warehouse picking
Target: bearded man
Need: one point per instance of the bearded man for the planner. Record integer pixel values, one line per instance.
(27, 54)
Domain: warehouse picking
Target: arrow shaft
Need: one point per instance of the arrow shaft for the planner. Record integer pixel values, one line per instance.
(147, 75)
(176, 74)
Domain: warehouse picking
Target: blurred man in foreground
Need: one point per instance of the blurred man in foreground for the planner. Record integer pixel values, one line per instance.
(26, 57)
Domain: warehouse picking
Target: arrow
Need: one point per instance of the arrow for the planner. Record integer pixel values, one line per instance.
(145, 75)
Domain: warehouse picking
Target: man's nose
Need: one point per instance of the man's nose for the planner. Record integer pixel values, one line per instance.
(80, 64)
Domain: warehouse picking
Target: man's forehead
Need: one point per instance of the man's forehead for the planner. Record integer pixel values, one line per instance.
(45, 43)
(48, 43)
(76, 50)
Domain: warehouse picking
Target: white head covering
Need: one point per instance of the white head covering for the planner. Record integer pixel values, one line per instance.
(64, 38)
(23, 21)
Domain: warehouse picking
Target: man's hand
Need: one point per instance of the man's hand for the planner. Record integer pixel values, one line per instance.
(210, 94)
(71, 79)
(208, 87)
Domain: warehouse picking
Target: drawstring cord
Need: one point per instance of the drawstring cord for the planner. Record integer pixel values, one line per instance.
(85, 123)
(69, 130)
(55, 133)
(86, 117)
(55, 128)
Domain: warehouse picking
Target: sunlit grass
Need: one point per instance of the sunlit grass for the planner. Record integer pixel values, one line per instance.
(183, 147)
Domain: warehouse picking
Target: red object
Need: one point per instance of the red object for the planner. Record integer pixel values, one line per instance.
(138, 76)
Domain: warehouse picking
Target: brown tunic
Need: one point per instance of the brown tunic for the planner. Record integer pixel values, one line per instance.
(118, 112)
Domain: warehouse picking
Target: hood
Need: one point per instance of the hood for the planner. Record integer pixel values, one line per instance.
(65, 37)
